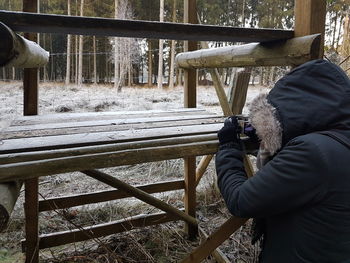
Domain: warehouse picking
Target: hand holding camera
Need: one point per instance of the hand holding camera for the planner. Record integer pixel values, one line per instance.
(234, 126)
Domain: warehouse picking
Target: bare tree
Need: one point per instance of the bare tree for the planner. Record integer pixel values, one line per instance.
(95, 64)
(161, 42)
(172, 50)
(68, 49)
(124, 48)
(81, 39)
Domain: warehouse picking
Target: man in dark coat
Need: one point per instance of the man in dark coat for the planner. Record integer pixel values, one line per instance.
(302, 191)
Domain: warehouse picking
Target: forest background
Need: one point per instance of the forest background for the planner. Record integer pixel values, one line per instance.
(125, 62)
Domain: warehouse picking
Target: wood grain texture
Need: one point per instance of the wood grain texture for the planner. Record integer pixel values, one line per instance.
(291, 52)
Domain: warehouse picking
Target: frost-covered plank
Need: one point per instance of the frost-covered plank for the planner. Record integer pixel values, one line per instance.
(117, 122)
(98, 138)
(90, 116)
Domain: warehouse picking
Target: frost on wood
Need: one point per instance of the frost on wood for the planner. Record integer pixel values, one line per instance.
(16, 51)
(294, 51)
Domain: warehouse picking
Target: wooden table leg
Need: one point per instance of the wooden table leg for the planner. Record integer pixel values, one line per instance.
(31, 208)
(190, 194)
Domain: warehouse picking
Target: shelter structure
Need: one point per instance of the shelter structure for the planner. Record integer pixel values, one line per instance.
(38, 145)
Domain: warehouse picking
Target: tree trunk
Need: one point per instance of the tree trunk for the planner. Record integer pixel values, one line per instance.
(81, 39)
(172, 54)
(149, 63)
(161, 42)
(68, 50)
(116, 60)
(95, 64)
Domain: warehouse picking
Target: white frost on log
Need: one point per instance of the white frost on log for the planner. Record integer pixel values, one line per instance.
(290, 52)
(16, 51)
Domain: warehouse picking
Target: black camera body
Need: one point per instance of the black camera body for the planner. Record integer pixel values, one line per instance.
(248, 135)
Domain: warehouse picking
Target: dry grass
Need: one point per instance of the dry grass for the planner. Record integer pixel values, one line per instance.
(163, 243)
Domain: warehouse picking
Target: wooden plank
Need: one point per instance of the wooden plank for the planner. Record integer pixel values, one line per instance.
(51, 154)
(88, 139)
(104, 126)
(91, 116)
(44, 23)
(310, 17)
(100, 230)
(238, 92)
(291, 52)
(214, 240)
(104, 196)
(10, 172)
(139, 194)
(217, 253)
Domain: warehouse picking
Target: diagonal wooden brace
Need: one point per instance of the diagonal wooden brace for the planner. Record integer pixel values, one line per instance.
(142, 195)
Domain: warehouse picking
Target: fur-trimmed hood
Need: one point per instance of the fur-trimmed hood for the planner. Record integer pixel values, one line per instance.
(313, 97)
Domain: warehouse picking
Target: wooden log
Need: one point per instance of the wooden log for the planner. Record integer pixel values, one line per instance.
(294, 51)
(139, 194)
(214, 240)
(100, 230)
(16, 51)
(9, 193)
(44, 23)
(104, 196)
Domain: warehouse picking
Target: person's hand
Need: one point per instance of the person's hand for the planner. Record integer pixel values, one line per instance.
(230, 132)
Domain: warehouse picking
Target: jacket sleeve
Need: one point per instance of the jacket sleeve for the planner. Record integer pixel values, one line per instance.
(294, 178)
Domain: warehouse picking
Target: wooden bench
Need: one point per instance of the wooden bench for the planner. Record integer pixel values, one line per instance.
(34, 146)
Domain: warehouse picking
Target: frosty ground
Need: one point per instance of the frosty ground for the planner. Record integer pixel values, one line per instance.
(162, 243)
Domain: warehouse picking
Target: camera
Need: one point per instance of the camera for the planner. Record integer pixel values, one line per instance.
(248, 135)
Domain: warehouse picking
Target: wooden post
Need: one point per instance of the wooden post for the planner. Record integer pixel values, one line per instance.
(310, 16)
(190, 16)
(31, 207)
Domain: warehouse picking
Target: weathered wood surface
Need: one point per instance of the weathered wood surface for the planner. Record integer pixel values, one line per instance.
(9, 193)
(291, 52)
(44, 23)
(16, 51)
(214, 240)
(100, 230)
(104, 196)
(29, 149)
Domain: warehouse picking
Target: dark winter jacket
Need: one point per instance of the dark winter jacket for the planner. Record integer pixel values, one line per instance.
(303, 193)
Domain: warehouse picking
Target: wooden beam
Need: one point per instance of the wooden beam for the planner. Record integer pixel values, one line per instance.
(101, 230)
(214, 240)
(310, 18)
(31, 211)
(9, 193)
(44, 23)
(10, 172)
(60, 153)
(279, 53)
(30, 107)
(104, 196)
(219, 256)
(16, 51)
(190, 101)
(142, 195)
